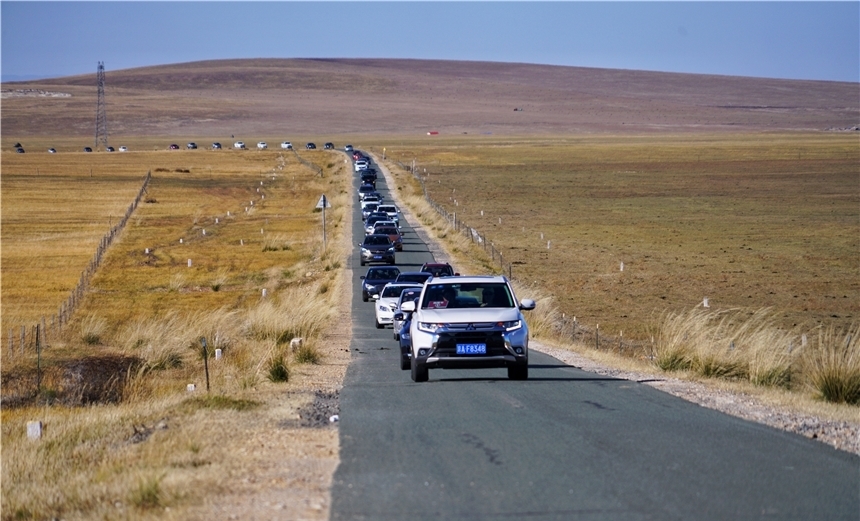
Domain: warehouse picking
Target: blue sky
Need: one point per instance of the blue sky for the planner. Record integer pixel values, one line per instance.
(797, 40)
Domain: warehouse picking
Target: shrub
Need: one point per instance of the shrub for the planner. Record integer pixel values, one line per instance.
(278, 370)
(832, 365)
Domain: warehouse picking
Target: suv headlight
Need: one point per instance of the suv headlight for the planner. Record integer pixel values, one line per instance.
(391, 249)
(365, 251)
(512, 325)
(428, 327)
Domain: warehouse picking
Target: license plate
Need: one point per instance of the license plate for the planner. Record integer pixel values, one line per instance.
(471, 349)
(377, 256)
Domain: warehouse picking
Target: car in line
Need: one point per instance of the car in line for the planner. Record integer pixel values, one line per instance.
(356, 155)
(375, 279)
(392, 211)
(361, 164)
(400, 318)
(469, 322)
(439, 269)
(88, 149)
(372, 219)
(19, 150)
(384, 228)
(367, 209)
(52, 150)
(328, 146)
(191, 146)
(286, 145)
(110, 149)
(347, 148)
(173, 146)
(216, 146)
(239, 145)
(387, 302)
(311, 146)
(376, 248)
(262, 145)
(364, 190)
(123, 148)
(417, 277)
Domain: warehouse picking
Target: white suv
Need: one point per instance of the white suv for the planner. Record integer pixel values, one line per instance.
(239, 144)
(469, 322)
(287, 145)
(262, 145)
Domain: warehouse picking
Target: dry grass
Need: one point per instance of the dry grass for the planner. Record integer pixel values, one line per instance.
(153, 308)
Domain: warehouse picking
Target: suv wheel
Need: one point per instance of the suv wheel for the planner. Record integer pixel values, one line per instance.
(420, 373)
(405, 363)
(379, 326)
(364, 297)
(518, 372)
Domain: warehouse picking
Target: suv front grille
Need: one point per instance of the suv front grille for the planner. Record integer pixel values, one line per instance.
(446, 346)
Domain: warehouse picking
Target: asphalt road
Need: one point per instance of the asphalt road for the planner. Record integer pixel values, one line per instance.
(565, 444)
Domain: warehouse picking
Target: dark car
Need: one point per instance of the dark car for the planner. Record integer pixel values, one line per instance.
(173, 146)
(19, 150)
(311, 146)
(375, 279)
(419, 277)
(394, 234)
(377, 248)
(365, 189)
(110, 149)
(328, 146)
(88, 149)
(52, 150)
(439, 269)
(368, 178)
(216, 146)
(191, 146)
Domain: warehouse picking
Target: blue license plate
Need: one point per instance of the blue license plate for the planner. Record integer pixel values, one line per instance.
(471, 349)
(377, 256)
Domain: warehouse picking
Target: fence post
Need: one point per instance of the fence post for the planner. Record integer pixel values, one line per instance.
(23, 338)
(597, 337)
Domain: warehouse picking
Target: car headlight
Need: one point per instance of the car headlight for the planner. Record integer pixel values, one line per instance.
(365, 251)
(428, 327)
(512, 325)
(383, 308)
(391, 249)
(369, 287)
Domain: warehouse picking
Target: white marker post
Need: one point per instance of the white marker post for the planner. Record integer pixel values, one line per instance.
(323, 204)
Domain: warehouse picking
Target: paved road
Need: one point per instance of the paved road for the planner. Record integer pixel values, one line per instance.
(565, 444)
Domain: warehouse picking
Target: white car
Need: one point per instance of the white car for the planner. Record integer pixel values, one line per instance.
(287, 145)
(360, 165)
(468, 322)
(392, 212)
(262, 145)
(239, 144)
(123, 149)
(387, 302)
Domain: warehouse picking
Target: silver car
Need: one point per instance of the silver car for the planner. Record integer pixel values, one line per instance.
(469, 322)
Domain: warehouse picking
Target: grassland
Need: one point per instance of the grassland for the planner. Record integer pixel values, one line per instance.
(246, 221)
(750, 222)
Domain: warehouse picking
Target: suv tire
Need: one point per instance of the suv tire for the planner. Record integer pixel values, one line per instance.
(420, 373)
(405, 363)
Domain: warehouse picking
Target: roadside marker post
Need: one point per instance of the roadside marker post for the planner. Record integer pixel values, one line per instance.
(323, 204)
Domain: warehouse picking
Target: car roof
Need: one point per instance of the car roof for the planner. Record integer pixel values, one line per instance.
(471, 279)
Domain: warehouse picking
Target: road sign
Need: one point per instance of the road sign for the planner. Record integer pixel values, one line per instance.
(323, 202)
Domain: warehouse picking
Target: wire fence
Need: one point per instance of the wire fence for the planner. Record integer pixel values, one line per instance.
(36, 336)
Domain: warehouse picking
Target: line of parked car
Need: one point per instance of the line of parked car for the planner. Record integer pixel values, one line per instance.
(440, 318)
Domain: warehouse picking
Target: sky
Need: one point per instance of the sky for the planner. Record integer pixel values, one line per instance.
(793, 40)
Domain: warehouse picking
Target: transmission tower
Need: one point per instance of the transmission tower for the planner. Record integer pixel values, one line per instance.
(101, 112)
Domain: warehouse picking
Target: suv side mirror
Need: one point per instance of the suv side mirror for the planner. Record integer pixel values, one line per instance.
(527, 304)
(408, 306)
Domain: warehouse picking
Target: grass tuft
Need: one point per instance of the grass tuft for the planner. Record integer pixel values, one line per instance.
(832, 366)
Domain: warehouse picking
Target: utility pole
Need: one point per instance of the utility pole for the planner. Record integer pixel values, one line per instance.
(101, 111)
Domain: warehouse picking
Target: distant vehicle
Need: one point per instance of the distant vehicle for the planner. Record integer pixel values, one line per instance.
(110, 149)
(347, 148)
(17, 145)
(392, 212)
(262, 145)
(377, 248)
(387, 302)
(311, 146)
(439, 269)
(287, 145)
(191, 146)
(239, 144)
(360, 165)
(52, 150)
(88, 149)
(123, 149)
(375, 279)
(328, 146)
(19, 150)
(393, 233)
(173, 146)
(216, 146)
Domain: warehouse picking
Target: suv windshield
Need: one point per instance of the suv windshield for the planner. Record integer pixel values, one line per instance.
(377, 240)
(382, 273)
(473, 295)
